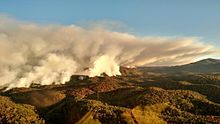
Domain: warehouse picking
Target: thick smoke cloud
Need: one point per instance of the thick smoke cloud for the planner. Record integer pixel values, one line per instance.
(46, 54)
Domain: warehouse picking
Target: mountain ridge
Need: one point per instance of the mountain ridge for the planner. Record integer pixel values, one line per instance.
(203, 66)
(207, 61)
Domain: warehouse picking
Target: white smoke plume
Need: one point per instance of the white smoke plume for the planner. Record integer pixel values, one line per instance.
(50, 54)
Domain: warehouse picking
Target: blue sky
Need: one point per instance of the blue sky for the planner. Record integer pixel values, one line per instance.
(199, 18)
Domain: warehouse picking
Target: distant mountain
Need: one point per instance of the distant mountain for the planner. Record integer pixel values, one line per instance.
(208, 61)
(203, 66)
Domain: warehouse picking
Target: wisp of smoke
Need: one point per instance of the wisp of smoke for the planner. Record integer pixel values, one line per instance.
(51, 54)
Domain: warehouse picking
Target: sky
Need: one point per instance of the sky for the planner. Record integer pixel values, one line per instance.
(199, 18)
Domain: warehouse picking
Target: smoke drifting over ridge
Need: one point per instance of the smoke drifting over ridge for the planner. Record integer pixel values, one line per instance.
(46, 54)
